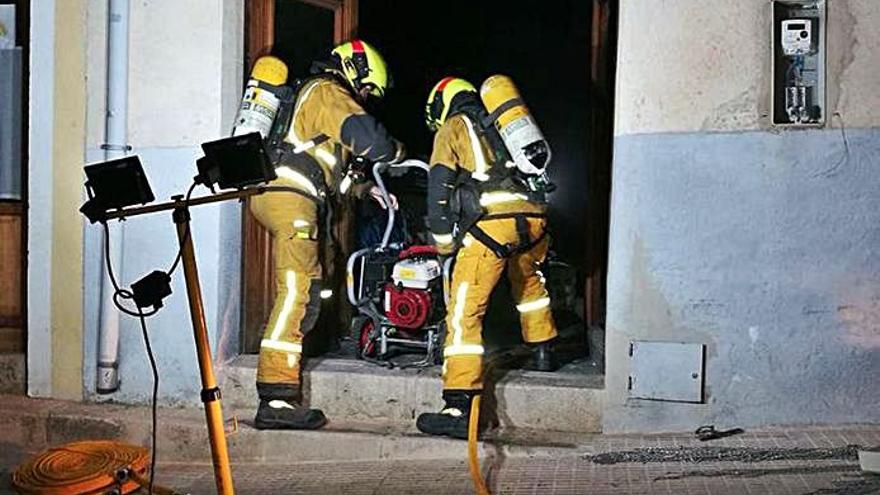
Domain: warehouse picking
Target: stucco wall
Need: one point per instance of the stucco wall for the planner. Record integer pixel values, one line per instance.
(40, 132)
(760, 243)
(184, 83)
(55, 248)
(686, 66)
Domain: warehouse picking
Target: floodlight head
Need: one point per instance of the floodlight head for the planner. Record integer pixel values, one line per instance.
(115, 184)
(235, 162)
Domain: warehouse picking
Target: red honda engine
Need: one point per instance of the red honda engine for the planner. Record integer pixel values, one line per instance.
(406, 307)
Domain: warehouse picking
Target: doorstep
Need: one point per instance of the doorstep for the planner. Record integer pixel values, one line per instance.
(348, 389)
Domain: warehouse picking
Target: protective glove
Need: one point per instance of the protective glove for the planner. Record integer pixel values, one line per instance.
(444, 244)
(445, 250)
(376, 194)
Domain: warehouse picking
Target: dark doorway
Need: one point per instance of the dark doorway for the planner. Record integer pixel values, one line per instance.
(561, 55)
(545, 50)
(303, 33)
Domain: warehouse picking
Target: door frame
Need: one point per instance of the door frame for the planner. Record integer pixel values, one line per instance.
(258, 285)
(603, 61)
(257, 279)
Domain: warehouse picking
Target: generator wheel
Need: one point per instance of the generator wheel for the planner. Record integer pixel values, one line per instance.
(362, 327)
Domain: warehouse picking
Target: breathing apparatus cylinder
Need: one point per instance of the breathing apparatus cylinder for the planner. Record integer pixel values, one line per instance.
(521, 135)
(262, 97)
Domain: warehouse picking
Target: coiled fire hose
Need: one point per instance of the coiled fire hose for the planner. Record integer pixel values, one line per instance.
(89, 467)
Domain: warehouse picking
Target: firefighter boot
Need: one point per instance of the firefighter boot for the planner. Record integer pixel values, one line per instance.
(453, 420)
(543, 357)
(287, 413)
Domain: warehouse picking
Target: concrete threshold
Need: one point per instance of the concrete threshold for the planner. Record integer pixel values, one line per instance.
(354, 390)
(30, 425)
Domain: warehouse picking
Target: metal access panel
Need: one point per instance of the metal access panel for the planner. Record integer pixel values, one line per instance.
(667, 371)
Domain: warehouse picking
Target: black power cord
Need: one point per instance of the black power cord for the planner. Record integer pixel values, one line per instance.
(153, 408)
(120, 294)
(186, 232)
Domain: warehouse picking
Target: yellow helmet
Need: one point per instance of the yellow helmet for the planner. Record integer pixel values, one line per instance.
(440, 99)
(363, 66)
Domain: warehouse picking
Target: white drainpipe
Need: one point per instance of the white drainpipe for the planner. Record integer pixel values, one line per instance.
(116, 146)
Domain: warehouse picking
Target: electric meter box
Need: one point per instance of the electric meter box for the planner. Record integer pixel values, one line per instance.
(797, 37)
(798, 34)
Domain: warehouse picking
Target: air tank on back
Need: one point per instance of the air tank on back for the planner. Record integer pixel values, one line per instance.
(262, 98)
(521, 135)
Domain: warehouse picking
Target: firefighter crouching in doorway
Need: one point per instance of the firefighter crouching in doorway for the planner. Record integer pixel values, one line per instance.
(328, 125)
(507, 228)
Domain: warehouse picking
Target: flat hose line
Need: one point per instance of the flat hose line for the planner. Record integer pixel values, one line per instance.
(473, 424)
(86, 467)
(473, 455)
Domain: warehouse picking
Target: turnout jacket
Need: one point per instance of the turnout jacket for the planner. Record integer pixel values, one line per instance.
(459, 155)
(325, 113)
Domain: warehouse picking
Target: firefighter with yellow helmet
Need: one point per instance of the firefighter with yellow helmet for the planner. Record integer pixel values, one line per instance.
(478, 200)
(327, 127)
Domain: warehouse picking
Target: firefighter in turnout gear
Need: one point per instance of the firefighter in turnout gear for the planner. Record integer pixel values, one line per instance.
(475, 201)
(327, 127)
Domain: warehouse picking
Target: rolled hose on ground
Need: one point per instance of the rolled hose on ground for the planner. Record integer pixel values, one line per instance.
(91, 466)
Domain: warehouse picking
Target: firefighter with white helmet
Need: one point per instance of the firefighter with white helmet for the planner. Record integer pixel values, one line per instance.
(495, 214)
(327, 126)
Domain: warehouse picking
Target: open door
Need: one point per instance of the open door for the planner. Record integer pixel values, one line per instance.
(298, 32)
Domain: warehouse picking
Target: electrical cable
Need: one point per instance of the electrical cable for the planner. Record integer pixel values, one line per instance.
(120, 294)
(186, 232)
(832, 171)
(153, 409)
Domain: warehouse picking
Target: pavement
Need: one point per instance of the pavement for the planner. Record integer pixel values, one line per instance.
(351, 459)
(538, 476)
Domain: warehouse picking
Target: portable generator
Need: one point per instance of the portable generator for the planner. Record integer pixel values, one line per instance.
(399, 292)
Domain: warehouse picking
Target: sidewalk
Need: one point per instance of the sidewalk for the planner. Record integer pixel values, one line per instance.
(808, 460)
(805, 461)
(541, 476)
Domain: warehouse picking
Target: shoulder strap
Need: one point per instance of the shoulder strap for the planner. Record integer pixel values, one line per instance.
(478, 115)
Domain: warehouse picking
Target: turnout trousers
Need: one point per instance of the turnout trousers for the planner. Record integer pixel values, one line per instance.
(292, 220)
(477, 270)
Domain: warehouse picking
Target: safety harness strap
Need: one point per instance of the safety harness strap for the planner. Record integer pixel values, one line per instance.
(500, 216)
(306, 165)
(522, 231)
(496, 247)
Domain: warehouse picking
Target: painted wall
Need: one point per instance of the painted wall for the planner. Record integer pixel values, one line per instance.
(55, 247)
(40, 131)
(184, 84)
(762, 244)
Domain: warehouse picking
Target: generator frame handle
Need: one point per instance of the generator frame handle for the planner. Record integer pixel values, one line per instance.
(378, 169)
